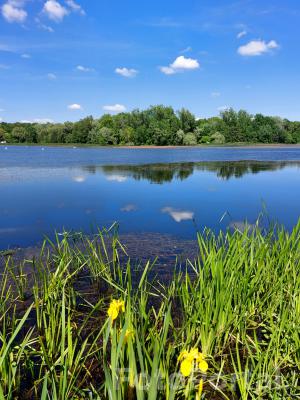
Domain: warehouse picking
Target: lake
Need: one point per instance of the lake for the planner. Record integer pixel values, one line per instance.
(174, 191)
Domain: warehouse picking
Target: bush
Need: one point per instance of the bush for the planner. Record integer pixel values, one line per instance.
(190, 139)
(217, 138)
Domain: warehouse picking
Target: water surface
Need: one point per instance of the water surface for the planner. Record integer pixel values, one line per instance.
(173, 191)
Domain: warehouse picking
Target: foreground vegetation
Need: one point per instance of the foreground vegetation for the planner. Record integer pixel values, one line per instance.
(82, 321)
(158, 125)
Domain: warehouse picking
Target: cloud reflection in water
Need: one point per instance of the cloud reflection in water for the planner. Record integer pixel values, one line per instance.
(178, 215)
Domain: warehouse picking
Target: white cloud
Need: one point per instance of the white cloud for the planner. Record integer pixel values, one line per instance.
(47, 28)
(181, 64)
(257, 48)
(215, 94)
(81, 68)
(115, 108)
(43, 26)
(178, 215)
(186, 50)
(241, 34)
(126, 72)
(54, 10)
(25, 55)
(75, 7)
(51, 76)
(43, 120)
(13, 11)
(167, 70)
(74, 106)
(116, 178)
(38, 121)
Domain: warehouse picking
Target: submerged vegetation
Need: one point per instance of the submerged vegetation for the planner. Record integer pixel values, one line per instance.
(159, 126)
(83, 321)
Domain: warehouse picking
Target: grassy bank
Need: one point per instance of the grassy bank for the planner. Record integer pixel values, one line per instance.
(85, 325)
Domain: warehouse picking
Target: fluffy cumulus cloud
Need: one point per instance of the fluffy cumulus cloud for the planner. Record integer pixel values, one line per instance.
(54, 10)
(74, 107)
(181, 64)
(13, 11)
(257, 48)
(115, 108)
(215, 94)
(25, 55)
(126, 72)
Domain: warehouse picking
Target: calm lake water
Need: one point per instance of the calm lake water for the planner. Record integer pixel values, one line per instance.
(173, 191)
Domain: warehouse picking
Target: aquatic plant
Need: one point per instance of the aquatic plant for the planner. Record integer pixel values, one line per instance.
(80, 321)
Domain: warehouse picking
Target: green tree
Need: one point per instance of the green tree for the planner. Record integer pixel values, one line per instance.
(190, 139)
(187, 120)
(2, 134)
(18, 135)
(217, 138)
(81, 130)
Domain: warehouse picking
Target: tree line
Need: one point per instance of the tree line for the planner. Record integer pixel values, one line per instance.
(160, 126)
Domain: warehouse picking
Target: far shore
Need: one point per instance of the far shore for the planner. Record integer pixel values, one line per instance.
(204, 146)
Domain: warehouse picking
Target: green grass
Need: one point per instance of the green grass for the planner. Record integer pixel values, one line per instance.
(238, 303)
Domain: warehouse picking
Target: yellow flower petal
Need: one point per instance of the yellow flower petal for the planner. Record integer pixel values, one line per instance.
(183, 355)
(193, 354)
(128, 334)
(112, 313)
(115, 307)
(186, 367)
(203, 366)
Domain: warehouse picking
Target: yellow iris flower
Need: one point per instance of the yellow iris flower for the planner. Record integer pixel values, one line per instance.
(128, 334)
(187, 360)
(115, 307)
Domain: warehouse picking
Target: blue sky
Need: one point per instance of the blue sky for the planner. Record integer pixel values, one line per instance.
(65, 59)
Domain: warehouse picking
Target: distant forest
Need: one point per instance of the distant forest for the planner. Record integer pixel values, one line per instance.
(159, 126)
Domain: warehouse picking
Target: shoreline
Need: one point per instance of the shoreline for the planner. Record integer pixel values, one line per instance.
(200, 146)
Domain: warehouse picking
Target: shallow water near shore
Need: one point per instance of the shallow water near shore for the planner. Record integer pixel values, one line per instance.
(164, 191)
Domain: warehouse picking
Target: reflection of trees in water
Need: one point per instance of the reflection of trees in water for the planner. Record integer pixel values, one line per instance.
(238, 169)
(160, 173)
(155, 173)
